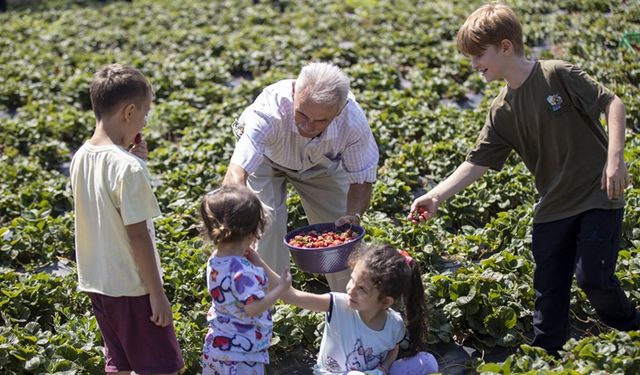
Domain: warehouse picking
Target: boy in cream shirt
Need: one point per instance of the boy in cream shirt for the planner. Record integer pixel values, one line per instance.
(118, 264)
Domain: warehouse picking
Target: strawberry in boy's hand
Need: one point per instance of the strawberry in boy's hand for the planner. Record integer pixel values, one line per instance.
(139, 147)
(419, 215)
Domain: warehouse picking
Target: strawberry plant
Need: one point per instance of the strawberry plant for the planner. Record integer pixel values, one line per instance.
(208, 60)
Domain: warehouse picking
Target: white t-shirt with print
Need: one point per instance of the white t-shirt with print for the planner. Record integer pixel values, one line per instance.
(349, 344)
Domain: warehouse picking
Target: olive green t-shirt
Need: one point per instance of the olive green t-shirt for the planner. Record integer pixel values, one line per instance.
(553, 122)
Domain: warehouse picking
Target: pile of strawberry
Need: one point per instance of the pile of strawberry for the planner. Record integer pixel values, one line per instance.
(421, 214)
(314, 239)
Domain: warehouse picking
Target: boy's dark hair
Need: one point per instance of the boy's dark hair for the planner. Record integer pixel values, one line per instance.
(116, 84)
(488, 26)
(395, 276)
(231, 213)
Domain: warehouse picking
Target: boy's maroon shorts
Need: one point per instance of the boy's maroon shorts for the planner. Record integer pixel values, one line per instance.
(132, 342)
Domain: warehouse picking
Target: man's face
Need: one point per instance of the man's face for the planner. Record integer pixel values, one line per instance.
(312, 118)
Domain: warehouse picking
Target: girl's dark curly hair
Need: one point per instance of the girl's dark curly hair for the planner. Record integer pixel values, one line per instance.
(231, 213)
(395, 276)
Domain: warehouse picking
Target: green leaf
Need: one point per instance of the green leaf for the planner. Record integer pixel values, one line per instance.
(33, 363)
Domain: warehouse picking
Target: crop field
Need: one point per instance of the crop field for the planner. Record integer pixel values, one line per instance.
(207, 60)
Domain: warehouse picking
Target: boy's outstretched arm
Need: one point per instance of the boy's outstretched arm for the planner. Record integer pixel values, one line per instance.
(615, 177)
(144, 256)
(466, 174)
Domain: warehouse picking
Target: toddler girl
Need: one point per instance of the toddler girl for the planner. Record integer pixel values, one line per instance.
(239, 319)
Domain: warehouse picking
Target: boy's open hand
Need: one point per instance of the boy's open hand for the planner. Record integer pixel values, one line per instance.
(615, 179)
(423, 208)
(139, 148)
(161, 314)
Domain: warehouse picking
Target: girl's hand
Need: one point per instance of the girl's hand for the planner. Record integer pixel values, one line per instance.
(253, 256)
(139, 148)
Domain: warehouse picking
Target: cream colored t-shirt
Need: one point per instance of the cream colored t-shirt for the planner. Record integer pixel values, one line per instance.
(111, 189)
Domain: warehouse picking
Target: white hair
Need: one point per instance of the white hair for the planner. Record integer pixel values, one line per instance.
(323, 83)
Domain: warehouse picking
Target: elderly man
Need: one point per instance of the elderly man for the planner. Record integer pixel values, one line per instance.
(312, 133)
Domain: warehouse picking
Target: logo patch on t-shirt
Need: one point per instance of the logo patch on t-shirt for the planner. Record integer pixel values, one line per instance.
(555, 101)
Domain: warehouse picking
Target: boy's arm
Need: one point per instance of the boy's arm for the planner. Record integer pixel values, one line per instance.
(259, 306)
(466, 174)
(614, 175)
(144, 256)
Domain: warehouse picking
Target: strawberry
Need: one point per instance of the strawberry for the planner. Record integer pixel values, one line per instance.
(138, 138)
(420, 213)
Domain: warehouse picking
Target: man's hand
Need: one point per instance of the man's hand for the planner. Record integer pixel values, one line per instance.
(161, 314)
(423, 208)
(615, 179)
(347, 219)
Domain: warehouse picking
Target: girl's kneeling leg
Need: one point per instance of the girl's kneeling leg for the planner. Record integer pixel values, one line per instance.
(422, 363)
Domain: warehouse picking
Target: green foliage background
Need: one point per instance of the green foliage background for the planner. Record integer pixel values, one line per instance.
(207, 60)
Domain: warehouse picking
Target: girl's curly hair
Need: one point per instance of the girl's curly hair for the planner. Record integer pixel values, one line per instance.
(399, 277)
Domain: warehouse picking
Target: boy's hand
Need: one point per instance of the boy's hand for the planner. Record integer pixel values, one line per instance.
(423, 208)
(139, 147)
(615, 179)
(161, 314)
